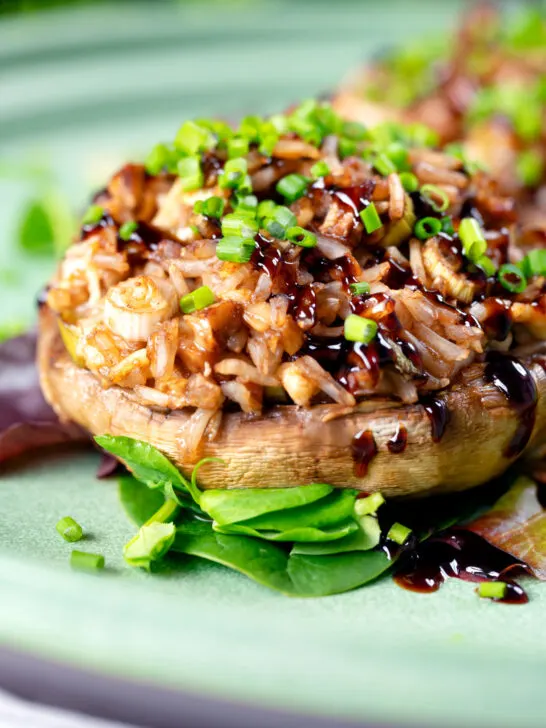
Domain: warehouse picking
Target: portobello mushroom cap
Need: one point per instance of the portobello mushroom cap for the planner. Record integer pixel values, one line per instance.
(289, 446)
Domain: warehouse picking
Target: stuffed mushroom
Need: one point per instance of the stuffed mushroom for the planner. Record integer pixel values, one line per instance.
(308, 300)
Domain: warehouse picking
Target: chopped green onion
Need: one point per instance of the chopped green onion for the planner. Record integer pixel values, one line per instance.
(279, 221)
(420, 135)
(266, 208)
(193, 139)
(246, 202)
(447, 225)
(235, 175)
(370, 218)
(320, 169)
(398, 154)
(211, 207)
(512, 278)
(359, 288)
(268, 142)
(150, 544)
(346, 147)
(435, 196)
(398, 533)
(240, 224)
(409, 181)
(235, 249)
(127, 229)
(370, 504)
(486, 265)
(189, 171)
(250, 128)
(93, 215)
(237, 147)
(472, 238)
(354, 130)
(527, 118)
(221, 129)
(279, 122)
(197, 300)
(529, 167)
(427, 227)
(384, 165)
(69, 529)
(358, 328)
(492, 589)
(534, 263)
(85, 561)
(292, 187)
(160, 158)
(300, 236)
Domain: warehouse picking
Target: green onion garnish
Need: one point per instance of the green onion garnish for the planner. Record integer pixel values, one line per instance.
(384, 165)
(435, 196)
(235, 175)
(197, 300)
(354, 130)
(486, 265)
(409, 181)
(346, 147)
(93, 215)
(158, 159)
(529, 167)
(127, 229)
(211, 207)
(534, 263)
(246, 202)
(85, 561)
(359, 288)
(268, 142)
(193, 139)
(69, 529)
(427, 227)
(279, 221)
(240, 224)
(492, 589)
(320, 169)
(265, 209)
(447, 225)
(512, 278)
(189, 171)
(250, 128)
(235, 249)
(292, 187)
(358, 328)
(472, 238)
(398, 154)
(237, 147)
(300, 236)
(398, 533)
(369, 505)
(370, 218)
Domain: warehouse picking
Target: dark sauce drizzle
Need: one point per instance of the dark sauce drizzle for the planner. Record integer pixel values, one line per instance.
(438, 415)
(464, 555)
(397, 443)
(363, 450)
(517, 384)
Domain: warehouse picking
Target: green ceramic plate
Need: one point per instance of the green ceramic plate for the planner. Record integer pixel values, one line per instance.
(81, 90)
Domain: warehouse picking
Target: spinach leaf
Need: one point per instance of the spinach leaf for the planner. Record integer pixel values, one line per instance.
(326, 519)
(233, 506)
(270, 565)
(367, 537)
(139, 501)
(147, 464)
(259, 560)
(334, 508)
(150, 544)
(295, 534)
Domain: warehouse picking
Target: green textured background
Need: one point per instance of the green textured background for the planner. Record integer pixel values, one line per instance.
(82, 90)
